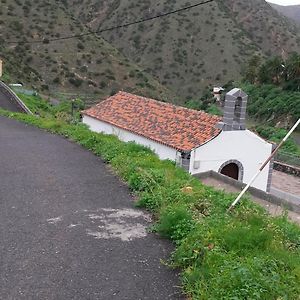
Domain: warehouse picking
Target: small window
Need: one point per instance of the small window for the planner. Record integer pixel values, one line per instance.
(238, 109)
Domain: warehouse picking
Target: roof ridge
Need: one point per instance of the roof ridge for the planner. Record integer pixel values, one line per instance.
(165, 103)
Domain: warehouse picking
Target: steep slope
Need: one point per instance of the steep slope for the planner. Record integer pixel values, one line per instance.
(272, 32)
(290, 11)
(86, 65)
(187, 51)
(184, 52)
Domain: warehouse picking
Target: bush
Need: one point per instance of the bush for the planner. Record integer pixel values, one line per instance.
(276, 135)
(175, 222)
(76, 81)
(271, 104)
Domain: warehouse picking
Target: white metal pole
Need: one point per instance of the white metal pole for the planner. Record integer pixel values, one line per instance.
(263, 166)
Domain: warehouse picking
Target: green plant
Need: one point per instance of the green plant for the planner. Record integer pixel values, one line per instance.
(272, 104)
(276, 135)
(176, 221)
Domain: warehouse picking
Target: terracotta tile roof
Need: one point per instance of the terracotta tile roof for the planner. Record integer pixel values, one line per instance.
(174, 126)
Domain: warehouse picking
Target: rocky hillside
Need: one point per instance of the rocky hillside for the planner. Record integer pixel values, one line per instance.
(184, 52)
(291, 11)
(88, 66)
(206, 45)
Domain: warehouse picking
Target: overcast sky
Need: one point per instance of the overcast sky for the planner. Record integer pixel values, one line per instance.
(285, 2)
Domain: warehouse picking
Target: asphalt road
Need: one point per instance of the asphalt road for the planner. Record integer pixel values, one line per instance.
(68, 227)
(7, 104)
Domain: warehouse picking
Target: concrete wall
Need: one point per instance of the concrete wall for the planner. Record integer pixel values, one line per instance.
(164, 152)
(243, 146)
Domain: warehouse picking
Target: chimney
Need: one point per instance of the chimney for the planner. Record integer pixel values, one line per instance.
(234, 111)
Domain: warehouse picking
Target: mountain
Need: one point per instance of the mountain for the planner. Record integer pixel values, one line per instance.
(184, 52)
(187, 51)
(88, 66)
(290, 11)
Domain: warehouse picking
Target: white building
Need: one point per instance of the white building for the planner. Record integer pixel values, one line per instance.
(198, 141)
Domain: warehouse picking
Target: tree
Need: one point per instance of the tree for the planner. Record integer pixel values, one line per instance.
(264, 75)
(293, 66)
(252, 69)
(276, 69)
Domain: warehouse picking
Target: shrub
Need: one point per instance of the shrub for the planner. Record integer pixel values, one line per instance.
(80, 46)
(76, 81)
(175, 222)
(271, 104)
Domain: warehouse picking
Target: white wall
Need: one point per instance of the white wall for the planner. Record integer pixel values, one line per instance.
(244, 146)
(164, 152)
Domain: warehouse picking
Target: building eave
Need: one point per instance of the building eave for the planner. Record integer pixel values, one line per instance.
(144, 136)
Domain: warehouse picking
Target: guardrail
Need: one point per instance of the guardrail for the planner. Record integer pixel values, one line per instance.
(12, 95)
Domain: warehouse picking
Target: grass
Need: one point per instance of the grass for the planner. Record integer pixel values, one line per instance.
(36, 104)
(276, 135)
(272, 105)
(43, 108)
(246, 254)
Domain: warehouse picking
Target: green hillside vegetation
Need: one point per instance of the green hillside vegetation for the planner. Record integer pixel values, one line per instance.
(272, 105)
(207, 45)
(276, 135)
(275, 70)
(245, 254)
(88, 65)
(274, 89)
(62, 111)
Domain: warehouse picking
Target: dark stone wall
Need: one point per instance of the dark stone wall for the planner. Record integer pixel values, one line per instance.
(291, 170)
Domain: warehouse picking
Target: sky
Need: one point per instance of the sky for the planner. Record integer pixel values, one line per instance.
(285, 2)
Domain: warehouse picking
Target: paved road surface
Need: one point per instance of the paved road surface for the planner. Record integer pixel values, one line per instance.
(68, 229)
(7, 104)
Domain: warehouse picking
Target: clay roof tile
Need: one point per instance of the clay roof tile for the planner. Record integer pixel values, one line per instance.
(177, 127)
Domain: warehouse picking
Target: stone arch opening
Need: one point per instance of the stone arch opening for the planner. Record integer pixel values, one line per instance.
(233, 169)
